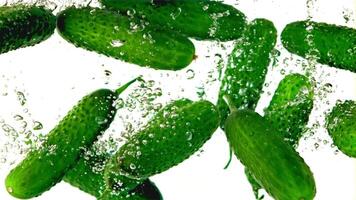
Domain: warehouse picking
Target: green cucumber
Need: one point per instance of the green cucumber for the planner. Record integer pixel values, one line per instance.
(247, 67)
(272, 161)
(22, 26)
(44, 167)
(342, 128)
(201, 19)
(174, 133)
(88, 176)
(333, 45)
(290, 107)
(289, 112)
(121, 37)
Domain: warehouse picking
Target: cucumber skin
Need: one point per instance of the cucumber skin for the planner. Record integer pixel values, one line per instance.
(95, 30)
(23, 26)
(92, 181)
(291, 106)
(277, 166)
(247, 67)
(341, 127)
(43, 168)
(145, 191)
(174, 134)
(335, 44)
(195, 18)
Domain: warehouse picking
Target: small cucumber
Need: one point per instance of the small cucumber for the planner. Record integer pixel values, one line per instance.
(247, 67)
(334, 45)
(273, 162)
(342, 127)
(199, 19)
(44, 167)
(121, 37)
(290, 107)
(88, 176)
(175, 133)
(289, 112)
(22, 26)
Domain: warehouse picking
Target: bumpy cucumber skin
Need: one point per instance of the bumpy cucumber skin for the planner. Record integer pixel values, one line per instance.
(145, 191)
(290, 107)
(335, 45)
(175, 133)
(247, 67)
(273, 162)
(98, 30)
(23, 26)
(202, 20)
(342, 128)
(44, 167)
(88, 176)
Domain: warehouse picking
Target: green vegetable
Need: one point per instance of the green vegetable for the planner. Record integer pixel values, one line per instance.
(333, 45)
(199, 19)
(273, 162)
(124, 38)
(22, 26)
(174, 134)
(46, 166)
(289, 112)
(290, 107)
(247, 67)
(88, 175)
(341, 126)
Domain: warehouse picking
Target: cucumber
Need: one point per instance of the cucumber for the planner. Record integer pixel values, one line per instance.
(273, 162)
(88, 176)
(201, 19)
(171, 136)
(289, 112)
(22, 26)
(247, 67)
(290, 107)
(121, 37)
(334, 45)
(44, 167)
(341, 126)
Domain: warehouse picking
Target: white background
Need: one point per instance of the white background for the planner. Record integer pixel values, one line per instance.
(54, 75)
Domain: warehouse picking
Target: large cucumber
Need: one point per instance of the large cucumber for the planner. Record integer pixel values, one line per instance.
(44, 167)
(88, 176)
(247, 67)
(290, 107)
(273, 162)
(174, 134)
(333, 45)
(200, 19)
(22, 26)
(342, 127)
(124, 38)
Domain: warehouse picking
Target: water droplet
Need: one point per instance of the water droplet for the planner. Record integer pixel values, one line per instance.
(18, 117)
(37, 125)
(132, 166)
(21, 98)
(190, 74)
(116, 43)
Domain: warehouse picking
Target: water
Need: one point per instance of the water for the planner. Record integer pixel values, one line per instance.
(38, 89)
